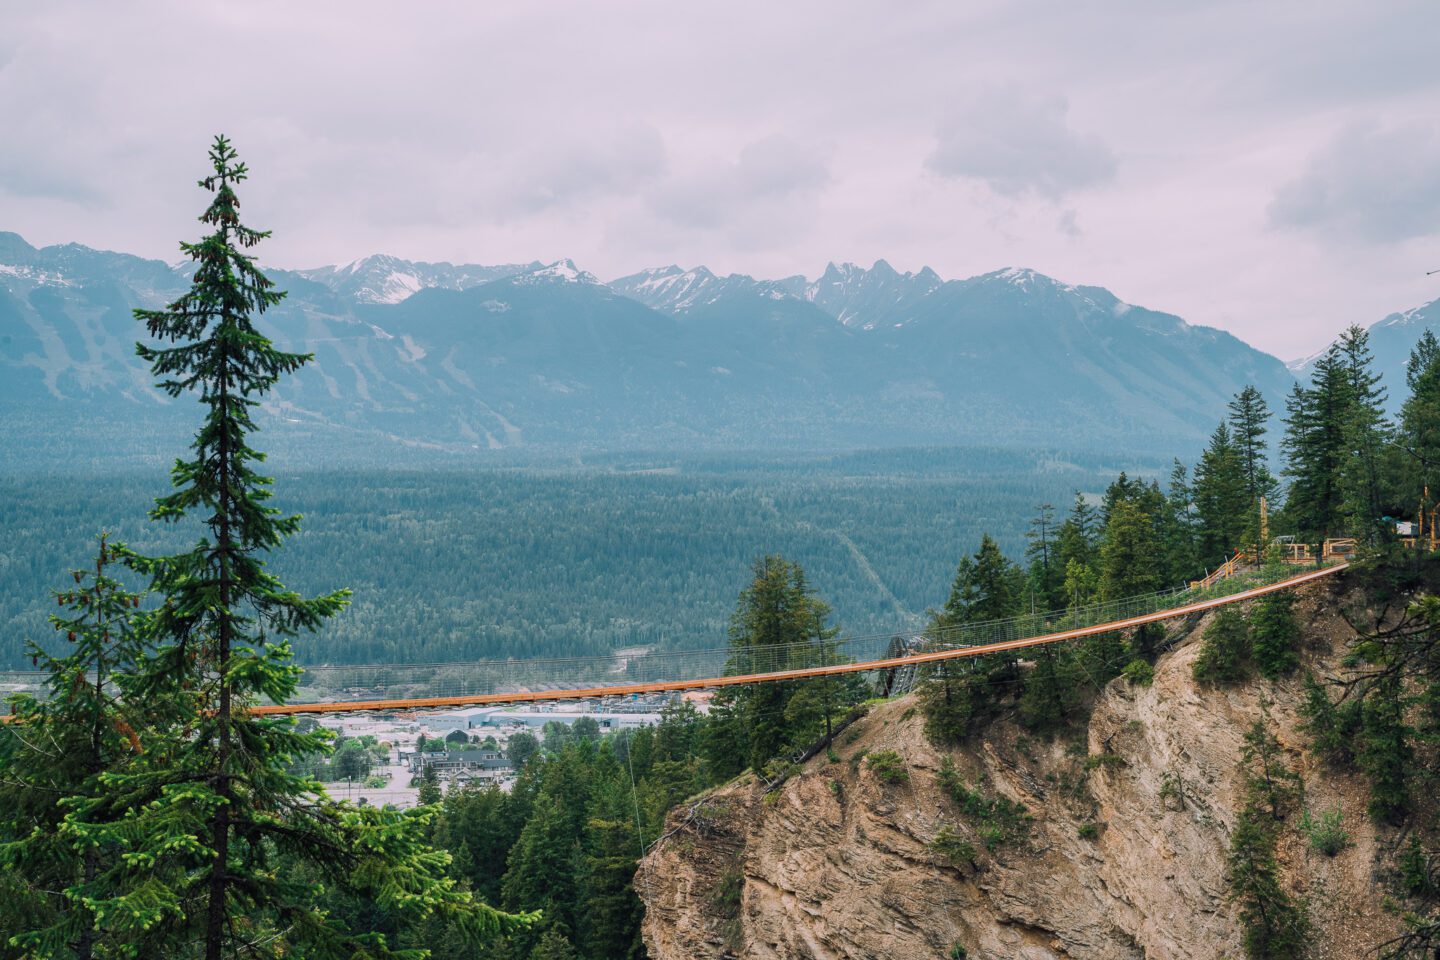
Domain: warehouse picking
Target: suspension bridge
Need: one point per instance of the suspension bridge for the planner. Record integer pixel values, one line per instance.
(637, 672)
(413, 687)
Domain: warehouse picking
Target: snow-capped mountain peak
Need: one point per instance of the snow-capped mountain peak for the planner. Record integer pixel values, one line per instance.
(381, 278)
(561, 271)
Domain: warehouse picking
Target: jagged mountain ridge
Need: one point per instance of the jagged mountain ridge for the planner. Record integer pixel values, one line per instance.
(386, 279)
(851, 294)
(549, 356)
(1391, 341)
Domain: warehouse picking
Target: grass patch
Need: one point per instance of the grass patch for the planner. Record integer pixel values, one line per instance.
(998, 820)
(1327, 833)
(889, 767)
(953, 847)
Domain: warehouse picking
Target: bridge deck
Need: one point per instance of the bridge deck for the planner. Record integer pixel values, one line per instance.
(583, 693)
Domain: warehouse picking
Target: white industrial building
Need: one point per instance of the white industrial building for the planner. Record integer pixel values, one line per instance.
(469, 718)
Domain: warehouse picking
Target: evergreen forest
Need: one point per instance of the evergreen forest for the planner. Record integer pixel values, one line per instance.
(146, 812)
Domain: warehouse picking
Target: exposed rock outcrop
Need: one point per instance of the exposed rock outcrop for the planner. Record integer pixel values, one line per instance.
(1125, 858)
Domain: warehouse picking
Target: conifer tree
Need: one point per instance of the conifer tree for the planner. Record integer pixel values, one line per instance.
(1128, 554)
(1316, 449)
(554, 945)
(1051, 688)
(1419, 432)
(1178, 529)
(1270, 784)
(1225, 650)
(1047, 575)
(544, 870)
(1249, 422)
(1385, 751)
(1222, 506)
(613, 912)
(1365, 433)
(986, 587)
(778, 624)
(1273, 925)
(1274, 635)
(213, 809)
(1121, 490)
(52, 762)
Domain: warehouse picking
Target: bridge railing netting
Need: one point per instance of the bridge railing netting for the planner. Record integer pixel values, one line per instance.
(340, 683)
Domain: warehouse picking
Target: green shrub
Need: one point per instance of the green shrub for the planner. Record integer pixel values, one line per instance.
(1089, 831)
(1275, 635)
(953, 847)
(1333, 727)
(1327, 834)
(888, 767)
(998, 820)
(1416, 876)
(727, 894)
(958, 952)
(1139, 673)
(1224, 651)
(1097, 760)
(1171, 788)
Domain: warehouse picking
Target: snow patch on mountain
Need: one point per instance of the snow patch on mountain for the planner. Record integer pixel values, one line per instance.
(561, 271)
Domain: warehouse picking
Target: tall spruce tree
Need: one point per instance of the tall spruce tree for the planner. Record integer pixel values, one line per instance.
(214, 813)
(1222, 504)
(52, 763)
(1249, 422)
(1316, 449)
(1178, 528)
(1366, 433)
(987, 587)
(1419, 431)
(1128, 554)
(1047, 575)
(778, 624)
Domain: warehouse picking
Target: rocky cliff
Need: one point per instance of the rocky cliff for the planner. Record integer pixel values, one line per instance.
(1125, 856)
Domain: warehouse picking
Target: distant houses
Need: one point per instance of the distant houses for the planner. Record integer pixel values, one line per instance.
(469, 763)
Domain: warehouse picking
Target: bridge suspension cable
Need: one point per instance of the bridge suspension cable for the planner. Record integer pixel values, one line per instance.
(377, 687)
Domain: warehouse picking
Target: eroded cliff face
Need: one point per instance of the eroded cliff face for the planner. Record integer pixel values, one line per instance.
(1125, 857)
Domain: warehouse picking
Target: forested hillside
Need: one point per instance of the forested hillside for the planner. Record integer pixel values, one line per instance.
(560, 562)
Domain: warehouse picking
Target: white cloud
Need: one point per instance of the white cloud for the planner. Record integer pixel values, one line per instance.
(772, 182)
(1020, 144)
(760, 138)
(1367, 184)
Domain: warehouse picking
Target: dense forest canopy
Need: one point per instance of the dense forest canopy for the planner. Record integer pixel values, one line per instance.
(450, 565)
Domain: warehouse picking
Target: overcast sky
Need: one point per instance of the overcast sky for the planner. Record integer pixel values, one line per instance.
(1269, 168)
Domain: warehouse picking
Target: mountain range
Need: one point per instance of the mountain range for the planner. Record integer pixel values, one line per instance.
(547, 357)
